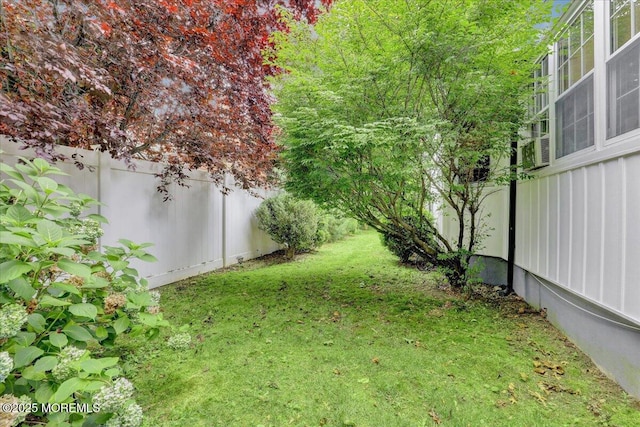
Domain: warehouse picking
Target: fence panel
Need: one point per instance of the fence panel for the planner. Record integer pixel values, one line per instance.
(200, 230)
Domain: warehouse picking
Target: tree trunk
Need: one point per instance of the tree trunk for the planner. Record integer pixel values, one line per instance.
(290, 253)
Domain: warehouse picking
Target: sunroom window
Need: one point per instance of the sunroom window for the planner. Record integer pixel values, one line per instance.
(574, 107)
(625, 21)
(623, 70)
(540, 102)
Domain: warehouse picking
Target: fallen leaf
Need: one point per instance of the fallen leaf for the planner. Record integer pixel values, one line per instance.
(435, 417)
(539, 397)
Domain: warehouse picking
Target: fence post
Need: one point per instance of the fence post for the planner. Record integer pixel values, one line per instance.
(103, 177)
(224, 221)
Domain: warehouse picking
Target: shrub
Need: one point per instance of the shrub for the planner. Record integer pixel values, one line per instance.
(333, 227)
(401, 243)
(63, 301)
(289, 221)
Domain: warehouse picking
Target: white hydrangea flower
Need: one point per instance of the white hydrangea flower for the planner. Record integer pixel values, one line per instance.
(87, 227)
(12, 317)
(155, 297)
(9, 419)
(69, 354)
(113, 397)
(179, 341)
(154, 308)
(131, 416)
(6, 365)
(139, 288)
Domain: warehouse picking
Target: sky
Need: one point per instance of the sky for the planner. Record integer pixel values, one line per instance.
(559, 5)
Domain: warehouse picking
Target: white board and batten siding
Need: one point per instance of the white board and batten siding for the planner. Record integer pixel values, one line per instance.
(200, 230)
(580, 229)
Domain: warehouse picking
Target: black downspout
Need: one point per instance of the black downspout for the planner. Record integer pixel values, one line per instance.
(513, 165)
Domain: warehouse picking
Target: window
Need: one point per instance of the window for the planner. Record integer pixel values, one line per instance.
(540, 102)
(482, 170)
(574, 119)
(574, 108)
(575, 50)
(623, 91)
(625, 21)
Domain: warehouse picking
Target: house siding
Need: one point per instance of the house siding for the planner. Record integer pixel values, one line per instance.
(578, 228)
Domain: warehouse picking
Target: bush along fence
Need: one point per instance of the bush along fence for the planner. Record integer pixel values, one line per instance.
(300, 225)
(63, 303)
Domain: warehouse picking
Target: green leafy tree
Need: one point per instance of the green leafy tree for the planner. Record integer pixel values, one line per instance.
(290, 222)
(389, 107)
(63, 303)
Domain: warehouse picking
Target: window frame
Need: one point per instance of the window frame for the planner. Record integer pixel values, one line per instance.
(563, 94)
(612, 84)
(570, 52)
(634, 24)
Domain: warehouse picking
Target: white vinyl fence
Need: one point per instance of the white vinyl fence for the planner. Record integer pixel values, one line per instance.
(200, 230)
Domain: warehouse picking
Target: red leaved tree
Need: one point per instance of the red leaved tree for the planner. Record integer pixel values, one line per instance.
(182, 81)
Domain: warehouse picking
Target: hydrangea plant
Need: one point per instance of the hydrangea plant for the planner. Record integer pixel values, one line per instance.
(64, 302)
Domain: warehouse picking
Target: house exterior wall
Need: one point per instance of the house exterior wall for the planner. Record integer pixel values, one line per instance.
(200, 230)
(578, 219)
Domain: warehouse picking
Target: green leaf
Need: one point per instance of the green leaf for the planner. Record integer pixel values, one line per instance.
(37, 322)
(44, 393)
(130, 271)
(84, 310)
(57, 339)
(141, 300)
(70, 241)
(96, 282)
(121, 325)
(55, 210)
(67, 252)
(24, 339)
(18, 214)
(148, 258)
(96, 366)
(128, 244)
(75, 268)
(66, 287)
(152, 333)
(98, 218)
(28, 190)
(77, 333)
(67, 388)
(96, 256)
(24, 356)
(152, 320)
(13, 269)
(48, 300)
(9, 238)
(113, 372)
(47, 184)
(119, 265)
(30, 373)
(94, 386)
(46, 363)
(101, 332)
(49, 230)
(22, 288)
(41, 165)
(10, 171)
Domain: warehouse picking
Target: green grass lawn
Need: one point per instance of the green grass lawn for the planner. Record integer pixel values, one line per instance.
(348, 337)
